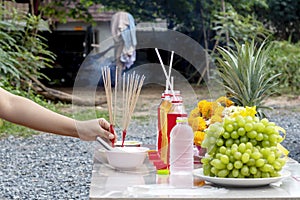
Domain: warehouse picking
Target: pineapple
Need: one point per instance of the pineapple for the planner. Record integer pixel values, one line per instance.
(244, 74)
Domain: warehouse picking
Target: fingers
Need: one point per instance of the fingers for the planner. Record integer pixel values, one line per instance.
(105, 126)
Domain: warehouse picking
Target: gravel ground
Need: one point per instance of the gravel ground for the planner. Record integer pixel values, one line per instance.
(47, 166)
(290, 121)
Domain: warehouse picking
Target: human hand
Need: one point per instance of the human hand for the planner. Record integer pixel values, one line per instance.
(90, 129)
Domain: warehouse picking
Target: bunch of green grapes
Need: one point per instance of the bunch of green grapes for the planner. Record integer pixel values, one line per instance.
(242, 147)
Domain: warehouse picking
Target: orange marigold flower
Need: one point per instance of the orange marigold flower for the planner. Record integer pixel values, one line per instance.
(198, 124)
(224, 101)
(207, 110)
(198, 137)
(201, 104)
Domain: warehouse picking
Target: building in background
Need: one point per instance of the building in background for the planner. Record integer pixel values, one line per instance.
(73, 41)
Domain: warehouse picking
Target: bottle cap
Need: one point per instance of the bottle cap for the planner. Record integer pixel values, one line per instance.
(169, 92)
(181, 119)
(177, 101)
(163, 171)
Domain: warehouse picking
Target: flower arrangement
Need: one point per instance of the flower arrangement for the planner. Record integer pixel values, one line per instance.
(207, 113)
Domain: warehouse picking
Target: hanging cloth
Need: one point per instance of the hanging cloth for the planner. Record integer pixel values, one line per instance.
(124, 34)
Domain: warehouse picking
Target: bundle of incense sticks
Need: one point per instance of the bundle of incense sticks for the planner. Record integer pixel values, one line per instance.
(132, 85)
(131, 88)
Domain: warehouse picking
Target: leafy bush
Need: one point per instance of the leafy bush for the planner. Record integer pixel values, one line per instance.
(285, 19)
(23, 51)
(284, 58)
(241, 28)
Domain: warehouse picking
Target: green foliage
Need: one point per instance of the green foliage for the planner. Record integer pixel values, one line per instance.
(244, 74)
(237, 26)
(62, 10)
(246, 7)
(142, 10)
(22, 51)
(284, 16)
(285, 59)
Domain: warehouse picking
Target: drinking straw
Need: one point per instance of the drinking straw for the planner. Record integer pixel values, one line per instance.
(163, 67)
(170, 68)
(172, 83)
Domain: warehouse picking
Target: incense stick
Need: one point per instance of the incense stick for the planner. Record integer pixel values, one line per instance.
(106, 75)
(116, 89)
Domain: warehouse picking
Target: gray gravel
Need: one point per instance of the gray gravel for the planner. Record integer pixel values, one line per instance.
(290, 121)
(47, 166)
(44, 167)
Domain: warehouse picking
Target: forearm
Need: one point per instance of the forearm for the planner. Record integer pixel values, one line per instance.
(27, 113)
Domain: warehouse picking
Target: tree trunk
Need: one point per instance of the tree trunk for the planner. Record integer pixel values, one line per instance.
(57, 95)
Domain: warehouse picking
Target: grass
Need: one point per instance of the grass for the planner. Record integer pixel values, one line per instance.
(9, 128)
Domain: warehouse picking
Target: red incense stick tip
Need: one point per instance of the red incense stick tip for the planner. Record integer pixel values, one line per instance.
(112, 130)
(123, 137)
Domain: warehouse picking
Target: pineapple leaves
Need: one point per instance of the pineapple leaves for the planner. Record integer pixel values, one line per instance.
(244, 73)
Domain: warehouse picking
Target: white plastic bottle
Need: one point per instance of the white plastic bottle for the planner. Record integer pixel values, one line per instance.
(181, 147)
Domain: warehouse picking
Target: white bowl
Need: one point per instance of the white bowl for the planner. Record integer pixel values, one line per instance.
(127, 158)
(100, 155)
(129, 143)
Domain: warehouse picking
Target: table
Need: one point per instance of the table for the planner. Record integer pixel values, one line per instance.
(145, 183)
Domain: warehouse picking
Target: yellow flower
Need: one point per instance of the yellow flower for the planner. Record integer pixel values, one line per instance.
(193, 114)
(224, 101)
(201, 104)
(219, 110)
(198, 124)
(215, 118)
(248, 111)
(207, 110)
(198, 137)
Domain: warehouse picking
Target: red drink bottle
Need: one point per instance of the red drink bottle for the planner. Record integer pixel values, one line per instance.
(177, 110)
